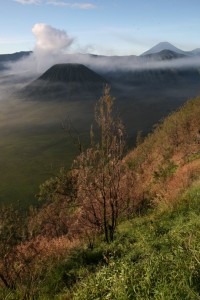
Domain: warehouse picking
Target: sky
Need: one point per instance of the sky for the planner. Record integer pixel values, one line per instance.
(103, 27)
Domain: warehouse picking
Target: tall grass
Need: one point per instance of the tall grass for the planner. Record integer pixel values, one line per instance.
(156, 256)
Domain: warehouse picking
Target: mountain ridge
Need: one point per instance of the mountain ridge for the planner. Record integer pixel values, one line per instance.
(158, 48)
(168, 46)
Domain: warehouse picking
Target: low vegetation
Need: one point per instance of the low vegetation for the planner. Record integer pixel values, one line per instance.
(155, 256)
(118, 225)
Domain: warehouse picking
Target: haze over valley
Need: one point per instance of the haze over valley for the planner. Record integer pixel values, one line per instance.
(38, 95)
(55, 59)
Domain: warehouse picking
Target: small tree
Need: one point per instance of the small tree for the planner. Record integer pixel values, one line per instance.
(99, 172)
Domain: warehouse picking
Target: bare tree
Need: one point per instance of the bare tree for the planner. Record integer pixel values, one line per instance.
(99, 172)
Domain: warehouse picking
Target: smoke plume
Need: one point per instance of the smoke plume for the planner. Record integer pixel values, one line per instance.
(49, 39)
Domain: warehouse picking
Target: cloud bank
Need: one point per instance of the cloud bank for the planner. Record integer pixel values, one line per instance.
(72, 5)
(28, 1)
(60, 3)
(52, 46)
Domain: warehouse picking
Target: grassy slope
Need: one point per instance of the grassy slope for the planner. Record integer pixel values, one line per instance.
(155, 256)
(167, 161)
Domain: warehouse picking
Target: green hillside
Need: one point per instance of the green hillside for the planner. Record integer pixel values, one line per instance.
(118, 225)
(156, 253)
(155, 256)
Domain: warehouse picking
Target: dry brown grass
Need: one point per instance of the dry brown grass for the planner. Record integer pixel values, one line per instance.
(168, 160)
(27, 265)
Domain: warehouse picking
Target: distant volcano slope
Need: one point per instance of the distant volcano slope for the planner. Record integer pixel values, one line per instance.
(65, 82)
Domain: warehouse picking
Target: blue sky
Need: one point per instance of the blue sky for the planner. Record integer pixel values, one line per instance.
(108, 27)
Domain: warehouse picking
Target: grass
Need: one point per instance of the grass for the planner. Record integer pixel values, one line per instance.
(156, 256)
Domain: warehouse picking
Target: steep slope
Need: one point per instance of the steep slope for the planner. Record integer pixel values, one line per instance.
(156, 250)
(156, 254)
(169, 159)
(65, 82)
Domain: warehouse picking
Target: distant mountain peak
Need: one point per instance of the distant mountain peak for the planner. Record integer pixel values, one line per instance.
(163, 46)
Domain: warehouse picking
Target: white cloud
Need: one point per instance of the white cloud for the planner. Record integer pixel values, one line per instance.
(51, 44)
(61, 3)
(75, 5)
(50, 39)
(28, 1)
